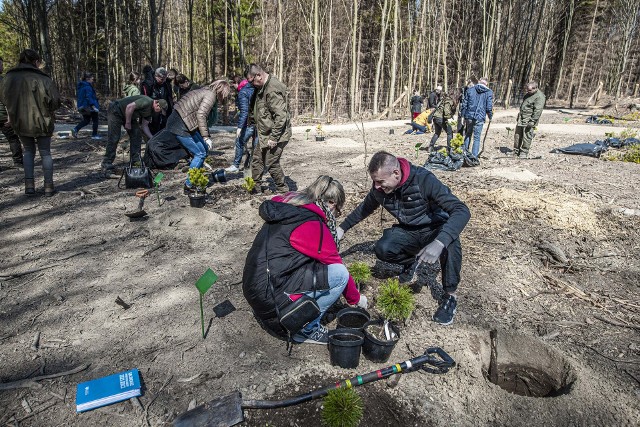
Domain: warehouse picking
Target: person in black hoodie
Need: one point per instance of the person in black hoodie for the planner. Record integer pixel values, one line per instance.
(430, 220)
(155, 86)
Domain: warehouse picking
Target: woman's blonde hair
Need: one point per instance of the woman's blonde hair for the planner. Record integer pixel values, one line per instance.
(221, 87)
(324, 189)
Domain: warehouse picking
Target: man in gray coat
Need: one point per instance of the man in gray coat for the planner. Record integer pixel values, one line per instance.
(273, 123)
(530, 111)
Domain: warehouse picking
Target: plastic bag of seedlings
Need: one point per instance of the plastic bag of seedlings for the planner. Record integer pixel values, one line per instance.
(585, 149)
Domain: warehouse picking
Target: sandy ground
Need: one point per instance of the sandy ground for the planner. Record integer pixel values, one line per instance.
(575, 318)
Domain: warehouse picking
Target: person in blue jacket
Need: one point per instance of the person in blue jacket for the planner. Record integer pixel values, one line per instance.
(478, 104)
(88, 105)
(245, 131)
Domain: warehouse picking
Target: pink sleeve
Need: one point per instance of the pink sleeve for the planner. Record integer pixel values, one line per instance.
(306, 240)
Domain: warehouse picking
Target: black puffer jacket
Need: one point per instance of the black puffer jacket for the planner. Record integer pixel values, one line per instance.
(290, 271)
(421, 201)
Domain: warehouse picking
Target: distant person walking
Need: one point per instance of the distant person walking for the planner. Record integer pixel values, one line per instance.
(88, 105)
(477, 106)
(530, 111)
(245, 130)
(31, 98)
(14, 142)
(273, 124)
(132, 88)
(445, 110)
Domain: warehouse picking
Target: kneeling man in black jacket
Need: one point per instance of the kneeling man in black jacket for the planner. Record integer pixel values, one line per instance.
(430, 220)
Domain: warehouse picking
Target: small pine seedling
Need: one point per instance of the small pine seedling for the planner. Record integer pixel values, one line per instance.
(198, 178)
(342, 408)
(395, 302)
(360, 272)
(249, 184)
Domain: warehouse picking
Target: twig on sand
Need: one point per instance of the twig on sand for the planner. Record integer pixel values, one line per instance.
(24, 273)
(39, 409)
(153, 249)
(71, 256)
(615, 323)
(146, 410)
(611, 358)
(31, 382)
(632, 376)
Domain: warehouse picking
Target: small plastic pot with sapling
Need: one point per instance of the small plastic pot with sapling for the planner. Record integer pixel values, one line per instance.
(199, 180)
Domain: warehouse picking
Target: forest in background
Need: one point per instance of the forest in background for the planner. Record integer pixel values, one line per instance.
(339, 57)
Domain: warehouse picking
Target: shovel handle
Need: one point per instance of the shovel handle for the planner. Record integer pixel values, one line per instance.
(441, 365)
(142, 193)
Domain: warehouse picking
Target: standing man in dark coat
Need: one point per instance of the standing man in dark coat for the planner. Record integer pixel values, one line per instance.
(530, 111)
(434, 97)
(14, 142)
(430, 220)
(159, 88)
(273, 125)
(477, 106)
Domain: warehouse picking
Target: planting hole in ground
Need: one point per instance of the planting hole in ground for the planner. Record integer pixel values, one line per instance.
(525, 366)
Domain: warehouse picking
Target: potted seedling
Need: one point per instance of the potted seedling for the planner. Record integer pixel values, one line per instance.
(199, 180)
(342, 407)
(360, 271)
(319, 133)
(307, 132)
(396, 303)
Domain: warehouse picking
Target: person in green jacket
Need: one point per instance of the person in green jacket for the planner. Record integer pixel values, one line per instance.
(530, 111)
(14, 142)
(270, 112)
(133, 87)
(31, 98)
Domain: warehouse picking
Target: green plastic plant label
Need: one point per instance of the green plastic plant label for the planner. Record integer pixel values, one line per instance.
(206, 281)
(158, 178)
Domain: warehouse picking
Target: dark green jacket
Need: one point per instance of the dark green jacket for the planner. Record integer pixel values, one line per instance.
(531, 108)
(444, 108)
(31, 98)
(271, 112)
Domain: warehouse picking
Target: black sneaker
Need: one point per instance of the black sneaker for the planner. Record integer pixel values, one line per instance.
(320, 335)
(444, 314)
(409, 273)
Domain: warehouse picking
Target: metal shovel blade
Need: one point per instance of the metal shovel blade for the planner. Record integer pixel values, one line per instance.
(223, 412)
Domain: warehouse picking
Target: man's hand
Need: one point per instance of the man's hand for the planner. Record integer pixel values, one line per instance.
(238, 132)
(340, 233)
(209, 143)
(127, 125)
(271, 143)
(363, 303)
(431, 252)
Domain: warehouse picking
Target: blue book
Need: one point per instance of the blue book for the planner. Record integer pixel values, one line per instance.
(107, 390)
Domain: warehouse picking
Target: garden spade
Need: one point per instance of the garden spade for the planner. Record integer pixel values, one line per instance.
(141, 194)
(228, 410)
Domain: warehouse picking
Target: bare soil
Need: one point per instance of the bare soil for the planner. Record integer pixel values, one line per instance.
(551, 260)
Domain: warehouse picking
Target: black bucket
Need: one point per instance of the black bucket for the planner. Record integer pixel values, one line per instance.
(218, 175)
(344, 347)
(319, 138)
(197, 200)
(352, 317)
(391, 131)
(377, 350)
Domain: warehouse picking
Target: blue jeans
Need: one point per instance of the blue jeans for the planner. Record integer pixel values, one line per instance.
(241, 142)
(196, 146)
(338, 276)
(475, 128)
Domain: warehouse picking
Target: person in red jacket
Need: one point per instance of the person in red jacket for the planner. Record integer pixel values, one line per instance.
(298, 247)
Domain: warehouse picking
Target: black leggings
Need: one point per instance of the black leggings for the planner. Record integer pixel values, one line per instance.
(437, 128)
(86, 119)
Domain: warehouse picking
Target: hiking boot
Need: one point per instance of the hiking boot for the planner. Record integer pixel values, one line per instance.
(445, 312)
(409, 273)
(74, 133)
(232, 169)
(29, 187)
(319, 335)
(49, 190)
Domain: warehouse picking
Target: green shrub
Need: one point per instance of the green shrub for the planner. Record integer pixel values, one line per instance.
(632, 155)
(360, 272)
(249, 184)
(342, 408)
(199, 178)
(395, 302)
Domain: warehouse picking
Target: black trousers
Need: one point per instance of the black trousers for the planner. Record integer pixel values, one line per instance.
(14, 142)
(400, 245)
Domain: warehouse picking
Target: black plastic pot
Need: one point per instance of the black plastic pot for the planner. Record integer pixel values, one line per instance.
(391, 131)
(352, 317)
(197, 200)
(375, 349)
(319, 138)
(344, 347)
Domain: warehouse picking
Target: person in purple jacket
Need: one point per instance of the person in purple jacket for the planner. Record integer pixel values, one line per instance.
(477, 105)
